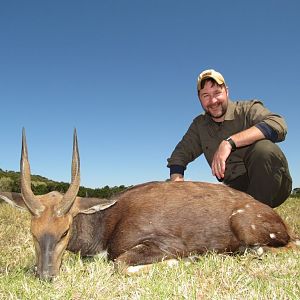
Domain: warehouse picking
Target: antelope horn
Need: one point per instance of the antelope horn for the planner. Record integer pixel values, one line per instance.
(34, 206)
(71, 193)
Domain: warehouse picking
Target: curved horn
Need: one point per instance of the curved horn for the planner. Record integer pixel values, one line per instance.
(34, 206)
(71, 193)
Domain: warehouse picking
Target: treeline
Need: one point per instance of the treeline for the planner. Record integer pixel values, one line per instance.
(296, 193)
(10, 182)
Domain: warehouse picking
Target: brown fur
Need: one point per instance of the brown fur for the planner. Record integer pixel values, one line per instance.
(162, 220)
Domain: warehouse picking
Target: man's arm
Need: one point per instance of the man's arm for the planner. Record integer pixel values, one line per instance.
(240, 139)
(263, 124)
(272, 125)
(247, 137)
(188, 149)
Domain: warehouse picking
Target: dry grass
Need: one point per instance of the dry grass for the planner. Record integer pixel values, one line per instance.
(274, 276)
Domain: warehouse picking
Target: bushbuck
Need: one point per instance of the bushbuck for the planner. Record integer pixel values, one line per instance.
(148, 223)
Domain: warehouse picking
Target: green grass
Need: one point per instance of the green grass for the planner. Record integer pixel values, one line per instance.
(213, 276)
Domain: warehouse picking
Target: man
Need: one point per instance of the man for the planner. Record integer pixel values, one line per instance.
(238, 141)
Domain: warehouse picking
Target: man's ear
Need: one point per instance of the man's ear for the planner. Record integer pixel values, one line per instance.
(14, 199)
(90, 205)
(227, 91)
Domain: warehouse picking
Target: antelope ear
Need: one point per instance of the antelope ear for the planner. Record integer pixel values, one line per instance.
(90, 205)
(14, 199)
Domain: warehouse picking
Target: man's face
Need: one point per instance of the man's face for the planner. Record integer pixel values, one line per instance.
(214, 100)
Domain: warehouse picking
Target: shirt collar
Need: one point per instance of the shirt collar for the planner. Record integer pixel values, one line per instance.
(229, 115)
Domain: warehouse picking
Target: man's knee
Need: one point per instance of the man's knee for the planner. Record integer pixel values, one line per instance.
(268, 172)
(264, 151)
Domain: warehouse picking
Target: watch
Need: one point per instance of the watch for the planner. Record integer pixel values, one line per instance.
(232, 143)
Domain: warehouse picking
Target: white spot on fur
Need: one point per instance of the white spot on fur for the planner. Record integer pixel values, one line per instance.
(102, 255)
(272, 235)
(238, 211)
(172, 262)
(257, 250)
(260, 251)
(259, 215)
(248, 206)
(136, 269)
(253, 226)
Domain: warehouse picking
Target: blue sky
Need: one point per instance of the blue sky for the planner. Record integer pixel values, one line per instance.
(124, 74)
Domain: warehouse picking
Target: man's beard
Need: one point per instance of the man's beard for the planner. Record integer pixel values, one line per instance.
(220, 114)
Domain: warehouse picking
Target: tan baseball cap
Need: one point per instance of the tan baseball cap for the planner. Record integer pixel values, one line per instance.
(210, 74)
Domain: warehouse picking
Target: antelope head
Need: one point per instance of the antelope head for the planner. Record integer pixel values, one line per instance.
(52, 215)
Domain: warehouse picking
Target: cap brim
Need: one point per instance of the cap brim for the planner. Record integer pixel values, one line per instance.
(218, 80)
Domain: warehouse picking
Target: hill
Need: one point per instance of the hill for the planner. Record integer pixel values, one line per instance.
(10, 182)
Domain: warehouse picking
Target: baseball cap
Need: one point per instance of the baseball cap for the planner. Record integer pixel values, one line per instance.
(210, 74)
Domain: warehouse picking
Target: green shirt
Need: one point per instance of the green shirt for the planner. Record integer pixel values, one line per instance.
(204, 135)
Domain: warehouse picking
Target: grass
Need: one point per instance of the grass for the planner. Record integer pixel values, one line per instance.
(213, 276)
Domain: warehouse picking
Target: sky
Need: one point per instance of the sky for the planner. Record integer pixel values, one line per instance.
(123, 73)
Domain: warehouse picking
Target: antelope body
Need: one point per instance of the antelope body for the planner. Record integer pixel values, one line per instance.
(148, 223)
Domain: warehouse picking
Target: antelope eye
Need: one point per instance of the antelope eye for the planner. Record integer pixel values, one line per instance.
(65, 233)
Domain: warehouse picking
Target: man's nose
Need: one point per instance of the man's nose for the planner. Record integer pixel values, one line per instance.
(213, 100)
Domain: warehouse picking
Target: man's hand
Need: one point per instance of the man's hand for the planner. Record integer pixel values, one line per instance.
(176, 177)
(218, 165)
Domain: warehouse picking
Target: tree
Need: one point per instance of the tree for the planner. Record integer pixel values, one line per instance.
(6, 184)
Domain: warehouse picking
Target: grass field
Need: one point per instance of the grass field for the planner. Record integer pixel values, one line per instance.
(213, 276)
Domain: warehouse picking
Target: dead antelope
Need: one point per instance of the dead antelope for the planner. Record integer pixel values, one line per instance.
(148, 223)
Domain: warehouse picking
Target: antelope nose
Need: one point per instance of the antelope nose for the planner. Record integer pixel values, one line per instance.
(45, 276)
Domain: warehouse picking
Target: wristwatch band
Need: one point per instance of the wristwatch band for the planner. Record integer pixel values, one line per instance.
(232, 143)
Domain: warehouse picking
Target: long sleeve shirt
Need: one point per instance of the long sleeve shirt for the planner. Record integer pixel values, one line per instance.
(204, 135)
